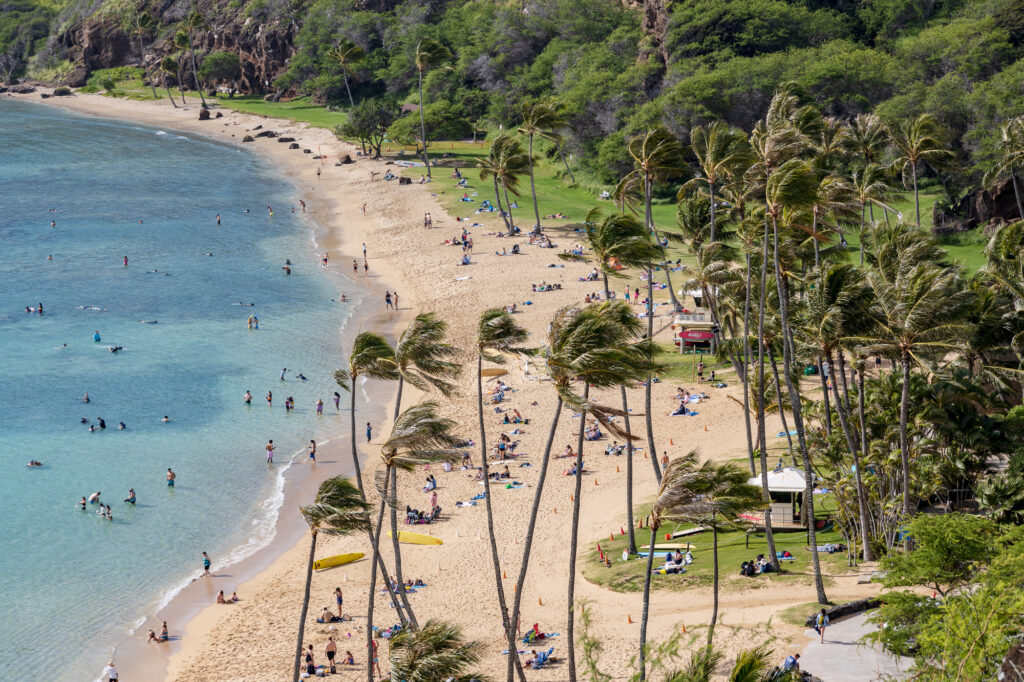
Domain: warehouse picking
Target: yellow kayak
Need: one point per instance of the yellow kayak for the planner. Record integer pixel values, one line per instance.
(337, 560)
(416, 538)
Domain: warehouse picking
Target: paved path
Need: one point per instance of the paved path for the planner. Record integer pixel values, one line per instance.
(842, 659)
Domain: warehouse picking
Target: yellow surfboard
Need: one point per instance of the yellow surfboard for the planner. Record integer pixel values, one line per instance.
(337, 560)
(416, 538)
(670, 546)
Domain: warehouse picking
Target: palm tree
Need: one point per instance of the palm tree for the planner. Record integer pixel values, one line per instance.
(169, 65)
(584, 345)
(1011, 148)
(916, 141)
(720, 150)
(714, 495)
(429, 54)
(422, 357)
(418, 436)
(348, 55)
(619, 242)
(540, 118)
(194, 22)
(830, 145)
(869, 185)
(338, 509)
(920, 304)
(868, 137)
(139, 24)
(504, 163)
(710, 271)
(497, 335)
(437, 651)
(833, 196)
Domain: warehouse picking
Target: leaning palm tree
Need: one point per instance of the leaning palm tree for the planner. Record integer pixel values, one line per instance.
(870, 189)
(348, 55)
(619, 242)
(832, 197)
(497, 335)
(418, 436)
(916, 141)
(194, 22)
(437, 651)
(714, 495)
(504, 163)
(868, 137)
(1011, 150)
(584, 345)
(540, 119)
(423, 358)
(429, 54)
(720, 150)
(169, 66)
(338, 509)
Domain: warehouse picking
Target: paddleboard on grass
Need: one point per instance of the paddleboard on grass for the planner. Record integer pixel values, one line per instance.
(416, 538)
(337, 560)
(669, 546)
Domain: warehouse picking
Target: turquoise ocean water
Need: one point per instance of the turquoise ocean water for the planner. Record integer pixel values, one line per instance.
(71, 582)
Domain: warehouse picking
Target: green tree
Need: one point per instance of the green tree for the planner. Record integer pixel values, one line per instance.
(368, 123)
(220, 66)
(916, 141)
(540, 118)
(504, 164)
(720, 150)
(348, 55)
(497, 335)
(338, 509)
(437, 651)
(429, 55)
(870, 188)
(1011, 156)
(169, 66)
(423, 358)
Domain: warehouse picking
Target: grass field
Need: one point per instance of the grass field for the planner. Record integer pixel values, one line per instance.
(301, 109)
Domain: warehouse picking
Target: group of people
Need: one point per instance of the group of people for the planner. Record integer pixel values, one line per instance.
(676, 562)
(544, 286)
(755, 567)
(103, 510)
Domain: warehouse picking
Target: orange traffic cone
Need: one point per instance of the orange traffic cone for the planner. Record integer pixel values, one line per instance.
(621, 532)
(629, 620)
(611, 536)
(617, 468)
(539, 602)
(503, 576)
(595, 481)
(554, 510)
(683, 626)
(670, 442)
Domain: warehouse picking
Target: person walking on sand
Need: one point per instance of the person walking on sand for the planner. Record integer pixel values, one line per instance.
(394, 295)
(109, 673)
(170, 477)
(355, 268)
(270, 452)
(331, 650)
(364, 249)
(369, 432)
(366, 268)
(326, 256)
(387, 300)
(206, 568)
(339, 599)
(363, 209)
(820, 623)
(312, 451)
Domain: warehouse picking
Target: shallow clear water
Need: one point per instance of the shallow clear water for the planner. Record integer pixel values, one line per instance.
(67, 575)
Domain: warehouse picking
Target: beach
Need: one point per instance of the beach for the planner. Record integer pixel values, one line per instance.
(254, 639)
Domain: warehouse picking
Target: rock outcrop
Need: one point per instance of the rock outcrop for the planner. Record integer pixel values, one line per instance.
(982, 208)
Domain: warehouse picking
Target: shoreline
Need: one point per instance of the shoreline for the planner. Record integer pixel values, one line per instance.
(190, 607)
(255, 639)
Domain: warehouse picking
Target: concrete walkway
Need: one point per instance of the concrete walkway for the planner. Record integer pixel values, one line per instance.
(843, 659)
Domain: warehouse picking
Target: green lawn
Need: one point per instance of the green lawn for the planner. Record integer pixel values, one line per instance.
(300, 109)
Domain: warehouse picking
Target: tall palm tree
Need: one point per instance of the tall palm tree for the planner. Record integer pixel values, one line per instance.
(423, 358)
(497, 335)
(169, 65)
(916, 141)
(832, 197)
(868, 138)
(715, 494)
(578, 349)
(348, 55)
(437, 651)
(720, 150)
(1011, 149)
(194, 22)
(504, 163)
(541, 118)
(418, 436)
(619, 242)
(338, 509)
(869, 185)
(429, 54)
(920, 305)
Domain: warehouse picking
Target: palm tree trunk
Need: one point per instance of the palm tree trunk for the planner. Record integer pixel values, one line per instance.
(714, 554)
(528, 542)
(762, 435)
(629, 474)
(842, 412)
(649, 422)
(533, 187)
(917, 199)
(574, 542)
(510, 631)
(1016, 194)
(195, 74)
(511, 221)
(168, 89)
(746, 369)
(861, 237)
(375, 538)
(344, 73)
(568, 170)
(142, 53)
(794, 399)
(181, 88)
(399, 578)
(841, 357)
(711, 191)
(904, 445)
(423, 125)
(824, 395)
(862, 505)
(814, 238)
(305, 605)
(647, 602)
(501, 210)
(782, 411)
(398, 396)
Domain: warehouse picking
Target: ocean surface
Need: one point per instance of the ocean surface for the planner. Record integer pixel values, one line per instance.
(71, 583)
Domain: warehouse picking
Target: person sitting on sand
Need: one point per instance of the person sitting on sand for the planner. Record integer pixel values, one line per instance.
(234, 597)
(349, 659)
(221, 599)
(326, 616)
(163, 637)
(568, 452)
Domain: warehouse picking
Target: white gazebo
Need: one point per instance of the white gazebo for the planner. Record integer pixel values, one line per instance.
(783, 486)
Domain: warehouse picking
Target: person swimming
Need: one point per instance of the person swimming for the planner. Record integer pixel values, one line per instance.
(121, 426)
(94, 498)
(34, 463)
(82, 504)
(131, 496)
(96, 336)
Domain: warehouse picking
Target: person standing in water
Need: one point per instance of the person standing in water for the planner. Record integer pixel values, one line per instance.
(170, 477)
(337, 401)
(218, 218)
(312, 451)
(96, 336)
(270, 452)
(131, 496)
(387, 300)
(283, 372)
(247, 398)
(394, 295)
(355, 268)
(206, 568)
(270, 399)
(326, 255)
(319, 406)
(126, 261)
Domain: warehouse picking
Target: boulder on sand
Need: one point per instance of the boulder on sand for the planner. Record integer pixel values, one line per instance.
(247, 138)
(293, 145)
(266, 133)
(204, 114)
